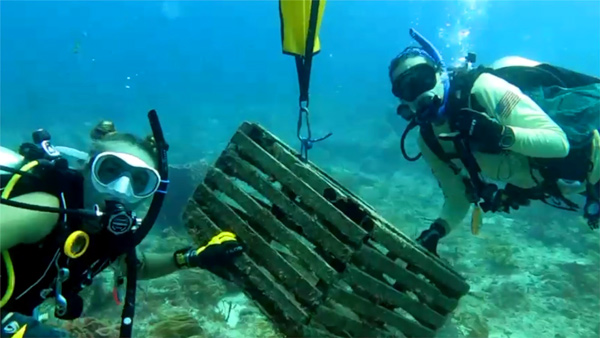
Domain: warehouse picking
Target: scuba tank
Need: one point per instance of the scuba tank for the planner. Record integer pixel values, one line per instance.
(11, 159)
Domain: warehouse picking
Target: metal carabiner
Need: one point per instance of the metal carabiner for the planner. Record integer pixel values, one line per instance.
(303, 112)
(306, 143)
(61, 301)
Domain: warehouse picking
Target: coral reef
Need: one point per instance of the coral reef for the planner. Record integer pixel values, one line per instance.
(510, 295)
(472, 325)
(176, 324)
(90, 327)
(501, 258)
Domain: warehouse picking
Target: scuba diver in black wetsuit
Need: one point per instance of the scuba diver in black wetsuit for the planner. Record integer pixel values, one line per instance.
(529, 125)
(61, 226)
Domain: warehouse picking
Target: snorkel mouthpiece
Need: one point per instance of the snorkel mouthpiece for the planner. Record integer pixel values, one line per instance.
(435, 55)
(431, 112)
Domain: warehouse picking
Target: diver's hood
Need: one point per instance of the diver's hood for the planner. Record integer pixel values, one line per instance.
(9, 158)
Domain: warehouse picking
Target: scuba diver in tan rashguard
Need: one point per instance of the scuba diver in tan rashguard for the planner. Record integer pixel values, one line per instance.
(529, 125)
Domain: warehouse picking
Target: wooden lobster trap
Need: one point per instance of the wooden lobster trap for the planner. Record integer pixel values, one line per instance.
(319, 260)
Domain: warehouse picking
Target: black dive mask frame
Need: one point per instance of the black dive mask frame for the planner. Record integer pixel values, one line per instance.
(415, 81)
(119, 221)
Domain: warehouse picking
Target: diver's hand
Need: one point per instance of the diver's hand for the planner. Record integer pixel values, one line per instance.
(512, 197)
(221, 250)
(479, 128)
(429, 238)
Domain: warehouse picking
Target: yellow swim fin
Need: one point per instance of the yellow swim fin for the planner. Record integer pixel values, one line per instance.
(295, 17)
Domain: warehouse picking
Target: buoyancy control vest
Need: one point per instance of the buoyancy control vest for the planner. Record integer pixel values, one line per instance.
(579, 123)
(32, 273)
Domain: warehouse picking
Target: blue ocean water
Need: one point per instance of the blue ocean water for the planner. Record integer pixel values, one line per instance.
(207, 66)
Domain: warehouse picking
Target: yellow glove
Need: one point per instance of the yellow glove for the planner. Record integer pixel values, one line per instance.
(219, 251)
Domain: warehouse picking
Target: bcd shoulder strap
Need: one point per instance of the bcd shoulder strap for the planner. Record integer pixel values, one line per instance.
(459, 94)
(434, 145)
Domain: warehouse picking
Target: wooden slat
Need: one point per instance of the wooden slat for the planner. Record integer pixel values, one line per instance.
(278, 266)
(271, 225)
(258, 279)
(311, 331)
(430, 267)
(380, 290)
(340, 323)
(430, 294)
(315, 232)
(391, 228)
(369, 310)
(199, 226)
(272, 291)
(251, 152)
(316, 177)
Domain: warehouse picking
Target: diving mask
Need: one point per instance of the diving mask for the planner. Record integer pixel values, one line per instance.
(413, 82)
(124, 176)
(423, 87)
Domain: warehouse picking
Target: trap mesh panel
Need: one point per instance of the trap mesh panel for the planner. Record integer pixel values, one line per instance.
(575, 110)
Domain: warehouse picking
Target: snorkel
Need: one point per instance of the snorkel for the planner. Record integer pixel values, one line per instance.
(437, 107)
(163, 169)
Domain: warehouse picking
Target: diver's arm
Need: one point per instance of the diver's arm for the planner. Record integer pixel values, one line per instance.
(456, 204)
(536, 134)
(149, 266)
(218, 252)
(156, 265)
(209, 257)
(18, 226)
